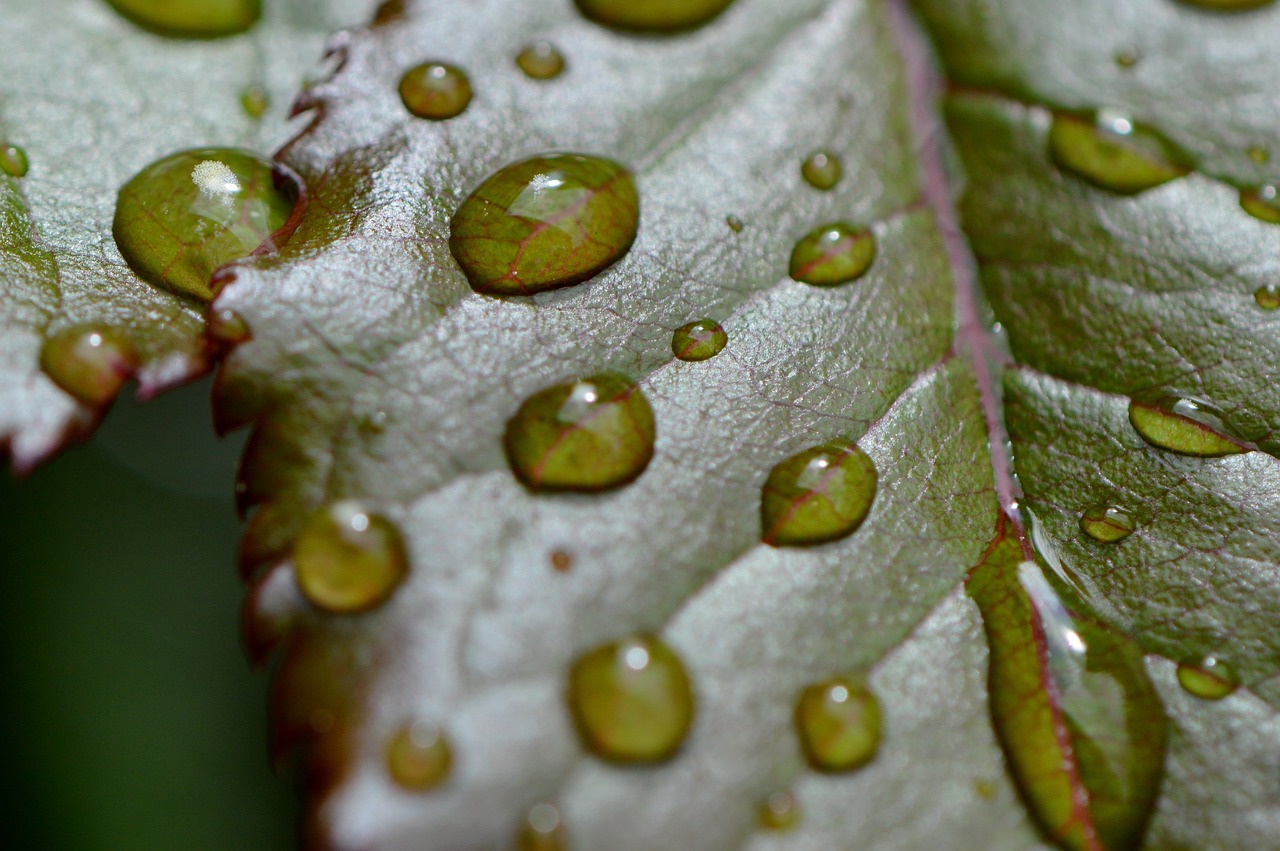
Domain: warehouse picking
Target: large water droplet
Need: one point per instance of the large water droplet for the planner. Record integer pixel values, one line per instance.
(1262, 203)
(544, 223)
(191, 18)
(13, 161)
(540, 61)
(1267, 297)
(435, 91)
(822, 170)
(543, 829)
(833, 254)
(632, 700)
(588, 435)
(1107, 523)
(418, 757)
(347, 559)
(89, 362)
(182, 217)
(1182, 425)
(652, 15)
(779, 811)
(819, 495)
(839, 724)
(698, 340)
(1210, 679)
(1114, 152)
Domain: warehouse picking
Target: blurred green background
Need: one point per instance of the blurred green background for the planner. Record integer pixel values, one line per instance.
(133, 721)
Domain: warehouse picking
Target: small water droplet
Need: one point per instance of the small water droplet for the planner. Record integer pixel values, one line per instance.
(254, 101)
(839, 724)
(986, 789)
(593, 434)
(1107, 523)
(13, 161)
(822, 170)
(182, 217)
(227, 327)
(89, 362)
(632, 700)
(1183, 425)
(435, 91)
(698, 340)
(1267, 297)
(418, 757)
(541, 61)
(663, 16)
(561, 561)
(543, 829)
(347, 559)
(1127, 58)
(191, 18)
(1259, 154)
(833, 254)
(375, 422)
(779, 811)
(1209, 679)
(544, 223)
(816, 496)
(1262, 203)
(735, 224)
(1112, 151)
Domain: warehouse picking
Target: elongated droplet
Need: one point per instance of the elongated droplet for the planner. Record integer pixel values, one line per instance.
(347, 559)
(545, 223)
(779, 811)
(1107, 523)
(191, 18)
(832, 255)
(182, 217)
(593, 434)
(1182, 425)
(699, 340)
(819, 495)
(540, 61)
(660, 16)
(1267, 297)
(822, 170)
(418, 757)
(735, 224)
(543, 829)
(435, 91)
(89, 362)
(13, 161)
(632, 701)
(1081, 724)
(839, 724)
(1114, 152)
(1210, 679)
(1261, 203)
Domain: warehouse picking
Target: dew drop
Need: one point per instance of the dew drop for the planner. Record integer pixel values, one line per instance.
(13, 161)
(1127, 58)
(254, 101)
(542, 830)
(418, 757)
(822, 170)
(1107, 523)
(735, 224)
(435, 91)
(182, 217)
(699, 340)
(592, 434)
(89, 362)
(1114, 152)
(1267, 297)
(191, 18)
(1182, 425)
(1210, 679)
(541, 61)
(661, 16)
(833, 254)
(1262, 203)
(838, 722)
(347, 559)
(632, 700)
(819, 495)
(779, 811)
(227, 327)
(544, 223)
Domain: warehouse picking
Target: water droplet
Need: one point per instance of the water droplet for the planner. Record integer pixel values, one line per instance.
(182, 217)
(89, 362)
(561, 561)
(435, 91)
(191, 18)
(1259, 154)
(779, 811)
(699, 340)
(652, 15)
(833, 254)
(593, 434)
(541, 60)
(347, 559)
(632, 700)
(1210, 679)
(819, 495)
(1127, 58)
(543, 829)
(1107, 523)
(1182, 425)
(227, 327)
(544, 223)
(822, 170)
(13, 161)
(735, 224)
(375, 422)
(254, 101)
(1114, 152)
(1261, 203)
(418, 757)
(839, 724)
(1267, 297)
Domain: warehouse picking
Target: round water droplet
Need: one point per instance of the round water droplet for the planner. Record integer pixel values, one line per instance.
(544, 223)
(435, 91)
(1262, 203)
(839, 724)
(1267, 297)
(191, 18)
(652, 15)
(632, 700)
(13, 161)
(588, 435)
(254, 101)
(1182, 425)
(822, 170)
(1210, 679)
(779, 811)
(1114, 152)
(227, 327)
(418, 757)
(1107, 523)
(182, 217)
(1127, 58)
(543, 829)
(833, 254)
(347, 559)
(541, 61)
(735, 224)
(699, 340)
(819, 495)
(89, 362)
